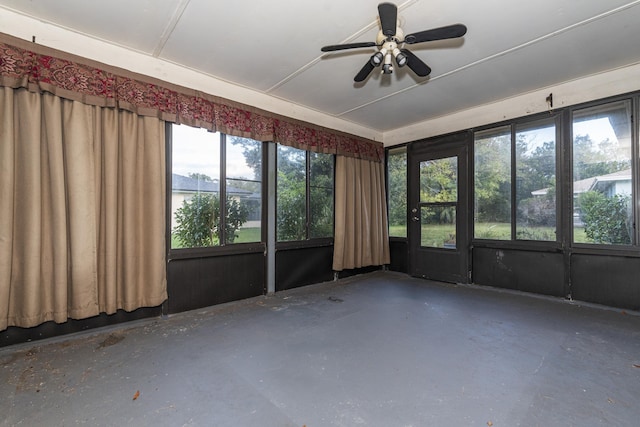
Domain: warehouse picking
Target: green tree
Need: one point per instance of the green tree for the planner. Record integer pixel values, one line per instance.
(397, 182)
(439, 180)
(606, 219)
(252, 152)
(198, 220)
(291, 178)
(292, 221)
(439, 183)
(492, 186)
(591, 160)
(321, 195)
(535, 170)
(291, 215)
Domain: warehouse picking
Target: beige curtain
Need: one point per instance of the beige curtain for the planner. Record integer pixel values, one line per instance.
(82, 209)
(361, 233)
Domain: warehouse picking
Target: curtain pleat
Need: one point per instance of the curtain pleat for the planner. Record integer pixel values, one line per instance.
(83, 209)
(7, 184)
(361, 235)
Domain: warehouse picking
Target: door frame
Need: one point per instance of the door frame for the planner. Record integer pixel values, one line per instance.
(449, 265)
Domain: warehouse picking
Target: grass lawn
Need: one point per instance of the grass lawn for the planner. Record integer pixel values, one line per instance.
(579, 236)
(433, 235)
(398, 230)
(248, 235)
(437, 234)
(487, 230)
(245, 235)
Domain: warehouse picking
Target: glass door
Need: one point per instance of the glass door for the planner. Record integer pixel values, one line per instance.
(438, 226)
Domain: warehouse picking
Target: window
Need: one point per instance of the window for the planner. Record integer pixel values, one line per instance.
(492, 184)
(304, 194)
(602, 179)
(320, 195)
(244, 190)
(535, 190)
(397, 191)
(515, 178)
(214, 173)
(438, 202)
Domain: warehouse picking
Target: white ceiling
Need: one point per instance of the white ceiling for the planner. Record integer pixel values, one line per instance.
(273, 47)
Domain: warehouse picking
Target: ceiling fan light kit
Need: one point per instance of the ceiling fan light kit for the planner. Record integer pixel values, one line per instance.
(390, 41)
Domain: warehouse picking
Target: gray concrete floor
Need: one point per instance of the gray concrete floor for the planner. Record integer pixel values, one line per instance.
(375, 350)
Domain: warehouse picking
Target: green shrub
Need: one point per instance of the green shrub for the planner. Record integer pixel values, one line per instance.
(198, 220)
(606, 219)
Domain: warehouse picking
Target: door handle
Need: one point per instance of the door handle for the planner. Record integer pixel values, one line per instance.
(415, 218)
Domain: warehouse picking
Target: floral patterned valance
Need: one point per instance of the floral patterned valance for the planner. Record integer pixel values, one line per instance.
(38, 68)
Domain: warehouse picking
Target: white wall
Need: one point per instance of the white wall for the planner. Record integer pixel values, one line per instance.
(598, 86)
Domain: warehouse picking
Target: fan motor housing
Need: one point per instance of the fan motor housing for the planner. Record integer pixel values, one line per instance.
(398, 38)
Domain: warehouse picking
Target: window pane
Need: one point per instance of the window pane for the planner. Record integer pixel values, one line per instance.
(492, 184)
(321, 195)
(291, 194)
(602, 185)
(244, 190)
(438, 188)
(397, 195)
(439, 180)
(438, 226)
(195, 183)
(536, 182)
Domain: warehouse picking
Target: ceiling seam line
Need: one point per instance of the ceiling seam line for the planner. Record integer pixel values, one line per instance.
(499, 54)
(319, 58)
(168, 30)
(294, 74)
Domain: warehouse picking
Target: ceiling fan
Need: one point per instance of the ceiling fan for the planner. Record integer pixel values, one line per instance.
(390, 41)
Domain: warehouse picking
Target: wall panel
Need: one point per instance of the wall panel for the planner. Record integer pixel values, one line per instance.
(528, 271)
(297, 267)
(608, 280)
(201, 282)
(399, 251)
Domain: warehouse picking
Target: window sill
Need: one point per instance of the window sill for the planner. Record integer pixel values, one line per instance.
(522, 245)
(301, 244)
(214, 251)
(606, 250)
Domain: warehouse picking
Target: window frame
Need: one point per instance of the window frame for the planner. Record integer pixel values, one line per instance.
(307, 241)
(563, 118)
(632, 249)
(404, 149)
(518, 127)
(497, 130)
(223, 248)
(513, 125)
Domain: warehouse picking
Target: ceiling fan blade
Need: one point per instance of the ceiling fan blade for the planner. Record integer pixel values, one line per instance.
(448, 32)
(388, 18)
(335, 47)
(364, 72)
(416, 64)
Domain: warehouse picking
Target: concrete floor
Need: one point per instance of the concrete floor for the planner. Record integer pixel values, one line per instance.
(375, 350)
